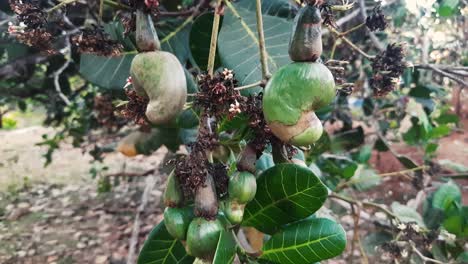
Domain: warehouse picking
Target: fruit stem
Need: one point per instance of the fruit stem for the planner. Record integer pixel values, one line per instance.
(64, 3)
(248, 86)
(261, 43)
(214, 38)
(352, 29)
(350, 43)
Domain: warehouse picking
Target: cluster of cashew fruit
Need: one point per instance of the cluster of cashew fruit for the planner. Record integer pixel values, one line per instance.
(297, 90)
(291, 96)
(200, 222)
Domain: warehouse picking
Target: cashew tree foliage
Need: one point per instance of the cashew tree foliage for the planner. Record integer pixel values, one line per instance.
(273, 100)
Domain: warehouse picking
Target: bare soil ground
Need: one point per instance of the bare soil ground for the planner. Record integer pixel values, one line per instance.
(58, 216)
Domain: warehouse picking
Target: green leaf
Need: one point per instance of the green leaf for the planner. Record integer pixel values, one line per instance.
(439, 131)
(200, 38)
(374, 240)
(448, 8)
(407, 214)
(264, 162)
(365, 178)
(285, 193)
(278, 8)
(447, 196)
(306, 242)
(174, 36)
(238, 43)
(431, 148)
(226, 249)
(447, 119)
(116, 31)
(112, 72)
(107, 72)
(161, 247)
(338, 165)
(365, 154)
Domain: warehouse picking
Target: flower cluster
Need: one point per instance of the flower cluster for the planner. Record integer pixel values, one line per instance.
(387, 68)
(32, 27)
(135, 108)
(376, 21)
(96, 41)
(217, 94)
(192, 170)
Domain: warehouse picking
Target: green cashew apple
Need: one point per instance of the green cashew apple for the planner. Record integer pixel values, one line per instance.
(306, 38)
(242, 187)
(292, 95)
(159, 76)
(173, 196)
(202, 237)
(177, 221)
(234, 211)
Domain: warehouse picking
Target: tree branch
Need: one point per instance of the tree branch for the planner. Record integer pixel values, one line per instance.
(261, 42)
(214, 38)
(447, 71)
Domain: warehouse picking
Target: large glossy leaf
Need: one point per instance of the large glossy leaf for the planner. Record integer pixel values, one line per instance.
(238, 43)
(285, 193)
(112, 72)
(447, 196)
(306, 242)
(226, 249)
(107, 72)
(200, 37)
(278, 8)
(174, 36)
(161, 248)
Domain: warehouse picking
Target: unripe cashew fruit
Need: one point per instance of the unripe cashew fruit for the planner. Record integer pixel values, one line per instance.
(202, 237)
(292, 95)
(173, 196)
(177, 221)
(128, 145)
(146, 36)
(206, 200)
(242, 187)
(306, 38)
(234, 211)
(159, 76)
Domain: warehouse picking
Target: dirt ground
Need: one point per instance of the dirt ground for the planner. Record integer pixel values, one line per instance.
(56, 215)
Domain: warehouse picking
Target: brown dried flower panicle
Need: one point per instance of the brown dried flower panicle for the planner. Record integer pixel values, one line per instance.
(135, 109)
(96, 41)
(217, 95)
(32, 25)
(376, 21)
(387, 68)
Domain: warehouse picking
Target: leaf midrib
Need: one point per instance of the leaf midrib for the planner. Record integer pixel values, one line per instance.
(248, 30)
(277, 201)
(295, 247)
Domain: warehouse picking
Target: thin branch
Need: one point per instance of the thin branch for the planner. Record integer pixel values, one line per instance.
(424, 258)
(214, 38)
(364, 204)
(60, 5)
(101, 10)
(252, 85)
(131, 174)
(444, 71)
(117, 4)
(261, 42)
(338, 34)
(396, 173)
